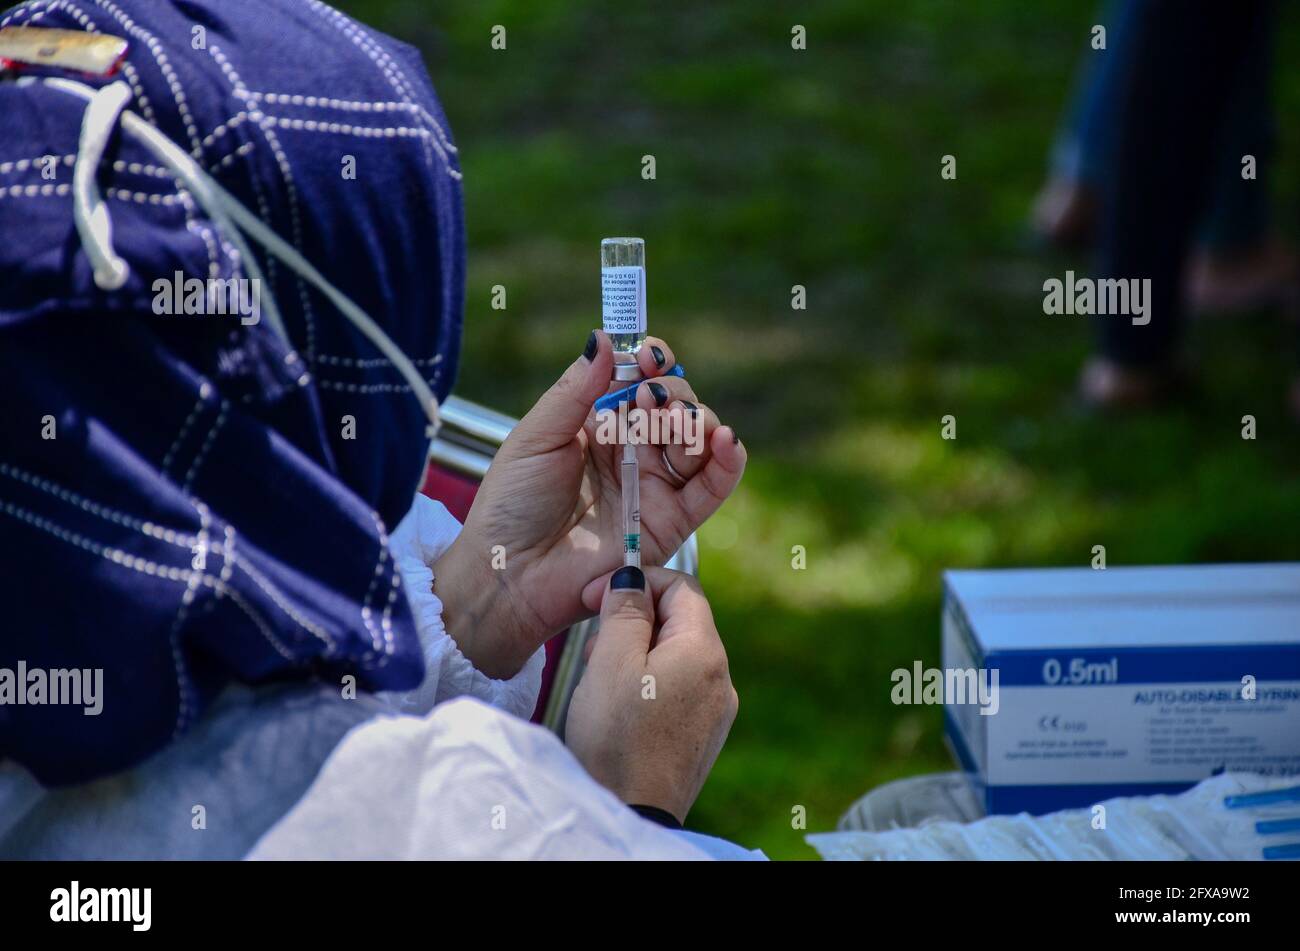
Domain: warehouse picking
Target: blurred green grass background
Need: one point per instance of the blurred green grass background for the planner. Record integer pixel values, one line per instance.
(779, 167)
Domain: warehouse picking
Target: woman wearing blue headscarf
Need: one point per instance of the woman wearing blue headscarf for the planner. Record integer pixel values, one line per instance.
(208, 510)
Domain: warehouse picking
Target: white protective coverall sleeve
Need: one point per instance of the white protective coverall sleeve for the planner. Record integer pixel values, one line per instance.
(464, 782)
(427, 531)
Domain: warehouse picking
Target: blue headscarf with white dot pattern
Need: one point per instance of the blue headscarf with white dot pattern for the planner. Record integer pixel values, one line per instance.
(187, 501)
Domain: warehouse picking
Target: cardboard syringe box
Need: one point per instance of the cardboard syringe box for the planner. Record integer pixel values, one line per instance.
(1123, 681)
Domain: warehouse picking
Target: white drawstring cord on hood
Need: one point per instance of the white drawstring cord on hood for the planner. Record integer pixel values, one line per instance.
(90, 213)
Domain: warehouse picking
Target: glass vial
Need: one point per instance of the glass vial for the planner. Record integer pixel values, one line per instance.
(622, 300)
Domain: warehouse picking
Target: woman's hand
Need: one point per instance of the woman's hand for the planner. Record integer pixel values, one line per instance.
(655, 703)
(552, 503)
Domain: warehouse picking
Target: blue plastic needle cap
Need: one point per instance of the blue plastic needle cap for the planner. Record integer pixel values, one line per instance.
(627, 394)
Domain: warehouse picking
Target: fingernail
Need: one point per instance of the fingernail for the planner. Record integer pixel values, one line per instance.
(658, 392)
(592, 345)
(691, 408)
(735, 437)
(627, 578)
(658, 354)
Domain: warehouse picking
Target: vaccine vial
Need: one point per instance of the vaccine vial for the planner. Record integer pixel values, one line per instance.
(622, 301)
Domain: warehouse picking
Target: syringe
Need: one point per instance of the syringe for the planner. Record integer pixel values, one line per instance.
(631, 474)
(622, 297)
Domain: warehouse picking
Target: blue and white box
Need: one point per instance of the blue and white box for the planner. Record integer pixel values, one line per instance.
(1122, 681)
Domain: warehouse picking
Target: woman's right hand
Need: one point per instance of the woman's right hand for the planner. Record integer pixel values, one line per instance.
(655, 703)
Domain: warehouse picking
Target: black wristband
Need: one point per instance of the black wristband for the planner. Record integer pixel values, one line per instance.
(656, 815)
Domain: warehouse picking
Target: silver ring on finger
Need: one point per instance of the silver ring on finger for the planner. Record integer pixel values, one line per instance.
(677, 477)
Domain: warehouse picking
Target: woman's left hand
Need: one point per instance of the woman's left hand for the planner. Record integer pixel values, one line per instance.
(547, 519)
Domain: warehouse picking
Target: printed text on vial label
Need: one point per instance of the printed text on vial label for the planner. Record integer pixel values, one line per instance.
(622, 297)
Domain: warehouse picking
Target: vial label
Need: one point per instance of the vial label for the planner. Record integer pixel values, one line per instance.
(622, 299)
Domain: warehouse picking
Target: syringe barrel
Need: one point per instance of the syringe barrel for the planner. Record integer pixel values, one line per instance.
(630, 476)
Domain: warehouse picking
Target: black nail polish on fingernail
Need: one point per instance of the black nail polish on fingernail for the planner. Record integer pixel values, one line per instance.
(592, 345)
(658, 354)
(691, 408)
(659, 393)
(627, 578)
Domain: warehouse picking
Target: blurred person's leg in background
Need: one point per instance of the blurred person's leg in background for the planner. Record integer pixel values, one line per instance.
(1171, 116)
(1241, 264)
(1065, 211)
